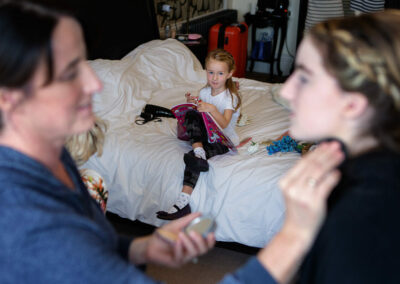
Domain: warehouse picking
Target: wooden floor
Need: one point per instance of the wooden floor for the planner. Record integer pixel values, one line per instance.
(210, 268)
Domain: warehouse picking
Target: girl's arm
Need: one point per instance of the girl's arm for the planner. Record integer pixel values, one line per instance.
(223, 120)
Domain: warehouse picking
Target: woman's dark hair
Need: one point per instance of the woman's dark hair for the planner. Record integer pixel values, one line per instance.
(25, 31)
(363, 54)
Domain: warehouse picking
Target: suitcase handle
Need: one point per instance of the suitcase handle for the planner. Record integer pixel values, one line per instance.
(242, 28)
(222, 40)
(221, 36)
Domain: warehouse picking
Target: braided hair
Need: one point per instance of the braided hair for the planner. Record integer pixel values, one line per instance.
(363, 54)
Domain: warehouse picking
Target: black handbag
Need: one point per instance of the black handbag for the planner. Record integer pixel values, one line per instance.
(153, 112)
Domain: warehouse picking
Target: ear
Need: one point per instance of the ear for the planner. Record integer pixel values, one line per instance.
(9, 99)
(355, 105)
(230, 74)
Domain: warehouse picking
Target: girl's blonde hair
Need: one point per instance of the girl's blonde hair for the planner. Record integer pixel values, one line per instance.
(363, 54)
(82, 146)
(224, 56)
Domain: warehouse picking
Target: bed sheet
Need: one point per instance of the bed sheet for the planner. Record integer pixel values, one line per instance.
(143, 164)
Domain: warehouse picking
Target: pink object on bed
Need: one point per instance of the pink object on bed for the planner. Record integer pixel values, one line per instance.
(215, 134)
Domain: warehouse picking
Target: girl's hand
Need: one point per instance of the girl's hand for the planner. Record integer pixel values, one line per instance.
(306, 188)
(190, 98)
(170, 246)
(205, 107)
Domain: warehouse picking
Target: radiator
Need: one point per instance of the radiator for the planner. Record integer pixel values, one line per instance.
(202, 25)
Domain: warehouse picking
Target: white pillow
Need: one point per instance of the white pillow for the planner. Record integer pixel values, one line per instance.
(276, 96)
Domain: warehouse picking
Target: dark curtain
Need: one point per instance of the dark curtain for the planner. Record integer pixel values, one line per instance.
(302, 20)
(112, 28)
(392, 4)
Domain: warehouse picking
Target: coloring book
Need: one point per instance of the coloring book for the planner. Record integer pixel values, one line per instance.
(214, 132)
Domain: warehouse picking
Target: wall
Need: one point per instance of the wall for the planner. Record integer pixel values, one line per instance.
(178, 15)
(289, 49)
(178, 12)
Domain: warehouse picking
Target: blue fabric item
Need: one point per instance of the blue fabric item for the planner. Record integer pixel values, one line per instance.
(254, 52)
(51, 234)
(286, 144)
(261, 50)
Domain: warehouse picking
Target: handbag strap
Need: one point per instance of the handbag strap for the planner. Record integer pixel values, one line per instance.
(146, 117)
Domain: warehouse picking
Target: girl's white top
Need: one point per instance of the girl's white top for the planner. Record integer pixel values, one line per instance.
(223, 101)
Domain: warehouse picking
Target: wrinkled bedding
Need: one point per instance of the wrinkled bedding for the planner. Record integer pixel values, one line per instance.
(143, 166)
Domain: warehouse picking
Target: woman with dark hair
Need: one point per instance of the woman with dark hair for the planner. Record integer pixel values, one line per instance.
(52, 231)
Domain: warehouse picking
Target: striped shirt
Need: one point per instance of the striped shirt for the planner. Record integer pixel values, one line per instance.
(320, 10)
(367, 6)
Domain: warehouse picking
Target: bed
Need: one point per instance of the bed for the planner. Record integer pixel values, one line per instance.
(142, 165)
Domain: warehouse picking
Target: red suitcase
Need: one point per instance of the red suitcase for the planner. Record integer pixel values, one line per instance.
(232, 38)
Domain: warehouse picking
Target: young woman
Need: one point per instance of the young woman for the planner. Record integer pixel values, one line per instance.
(221, 99)
(347, 86)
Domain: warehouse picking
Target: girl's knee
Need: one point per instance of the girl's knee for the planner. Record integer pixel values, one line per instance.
(192, 115)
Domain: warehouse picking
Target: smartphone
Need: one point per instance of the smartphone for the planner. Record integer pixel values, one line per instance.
(202, 225)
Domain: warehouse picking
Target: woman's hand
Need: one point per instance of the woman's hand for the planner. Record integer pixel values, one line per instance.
(306, 188)
(170, 246)
(206, 107)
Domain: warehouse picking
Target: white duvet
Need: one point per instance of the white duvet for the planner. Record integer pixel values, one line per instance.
(143, 164)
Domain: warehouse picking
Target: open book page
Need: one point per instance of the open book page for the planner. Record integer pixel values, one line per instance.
(214, 132)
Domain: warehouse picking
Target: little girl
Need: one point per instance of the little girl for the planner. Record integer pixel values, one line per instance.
(221, 99)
